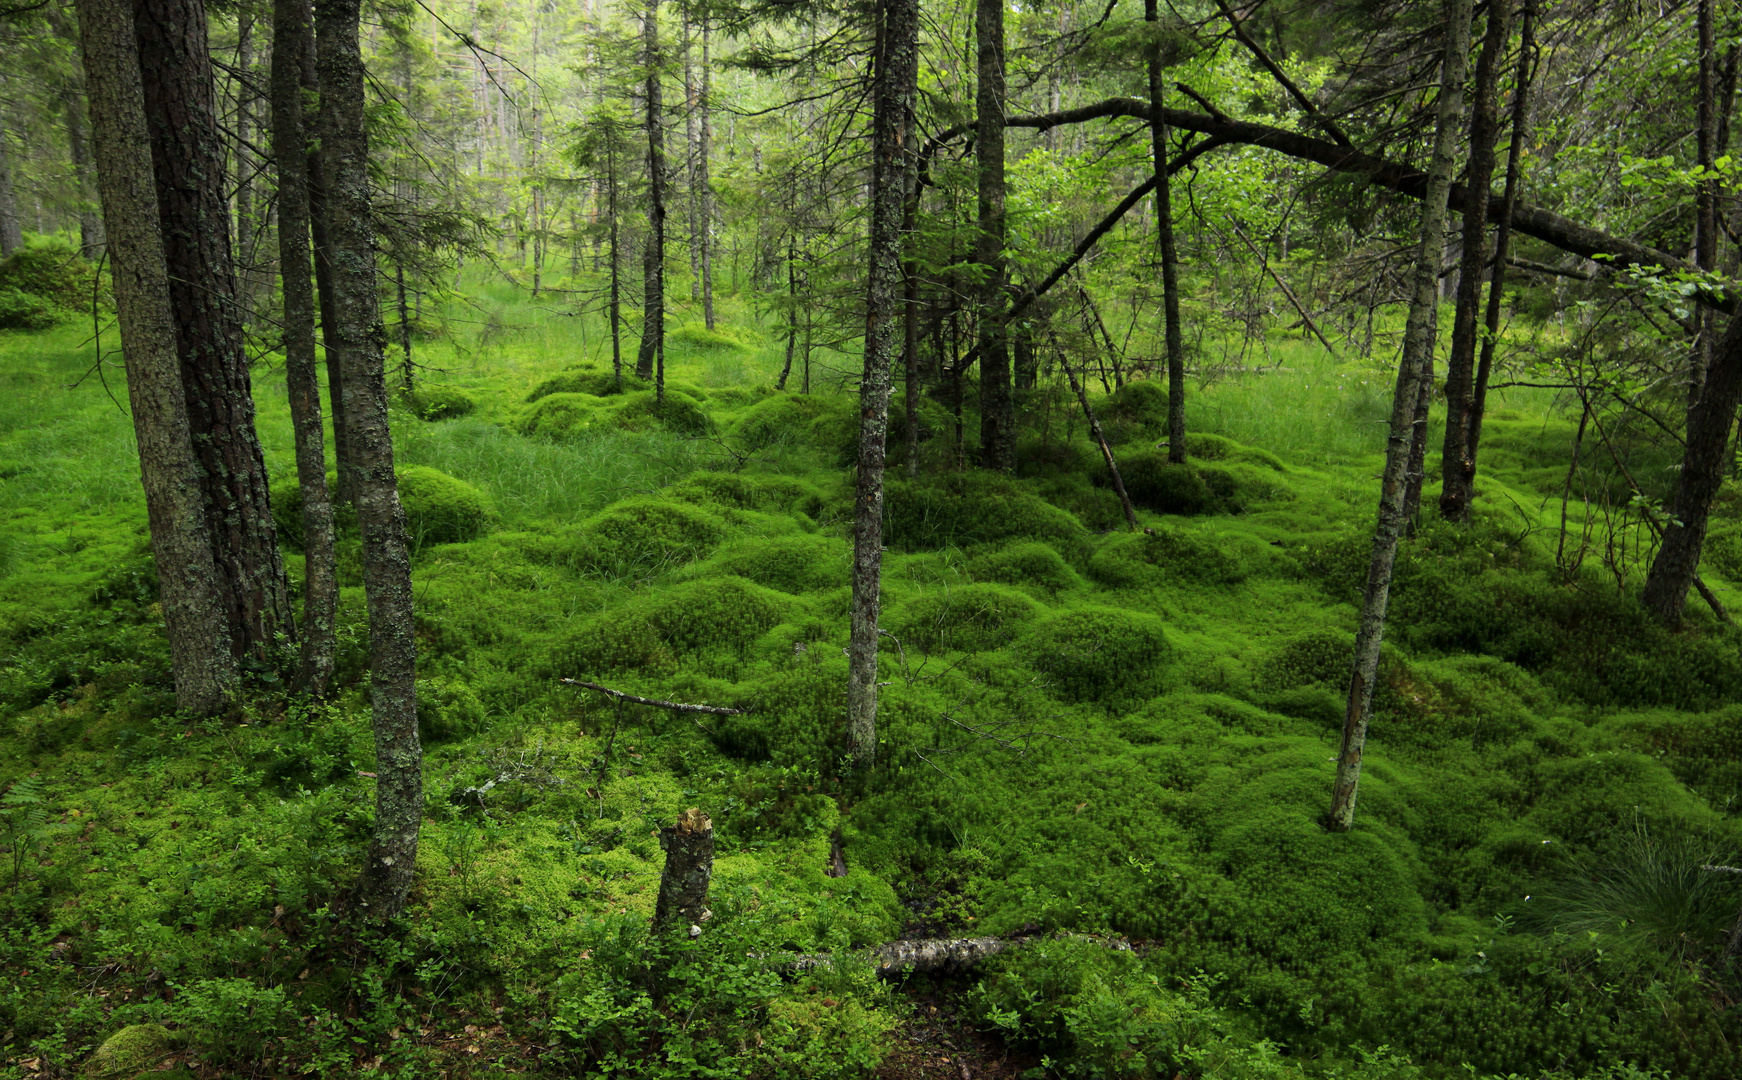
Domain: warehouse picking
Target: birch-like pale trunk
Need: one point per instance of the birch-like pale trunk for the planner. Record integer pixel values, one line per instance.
(1418, 343)
(894, 88)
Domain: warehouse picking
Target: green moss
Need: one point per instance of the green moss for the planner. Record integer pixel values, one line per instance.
(970, 618)
(447, 708)
(1033, 564)
(613, 642)
(788, 419)
(722, 338)
(715, 613)
(1203, 446)
(440, 509)
(640, 536)
(793, 564)
(761, 492)
(592, 383)
(563, 415)
(431, 403)
(1105, 655)
(1170, 556)
(975, 508)
(1135, 411)
(132, 1050)
(679, 411)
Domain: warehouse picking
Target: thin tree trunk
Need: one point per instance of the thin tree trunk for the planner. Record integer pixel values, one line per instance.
(704, 177)
(1176, 350)
(1099, 437)
(392, 858)
(245, 210)
(290, 33)
(1705, 198)
(1411, 371)
(1503, 230)
(653, 254)
(188, 156)
(910, 323)
(894, 87)
(79, 152)
(11, 225)
(997, 406)
(331, 343)
(616, 301)
(692, 205)
(204, 668)
(1457, 456)
(792, 310)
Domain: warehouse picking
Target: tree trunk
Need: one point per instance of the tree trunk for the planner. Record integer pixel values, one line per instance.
(616, 299)
(653, 254)
(1176, 350)
(192, 592)
(386, 567)
(682, 906)
(1702, 473)
(246, 223)
(79, 153)
(997, 406)
(1457, 454)
(894, 86)
(692, 205)
(704, 178)
(1503, 230)
(1418, 341)
(319, 229)
(11, 226)
(792, 310)
(1705, 199)
(290, 40)
(188, 156)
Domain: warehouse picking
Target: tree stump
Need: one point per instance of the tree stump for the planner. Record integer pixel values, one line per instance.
(689, 866)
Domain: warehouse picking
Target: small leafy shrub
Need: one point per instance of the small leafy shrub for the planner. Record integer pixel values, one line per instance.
(235, 1021)
(1105, 655)
(1034, 564)
(1166, 556)
(975, 508)
(440, 509)
(20, 310)
(591, 383)
(1137, 410)
(822, 1037)
(640, 536)
(792, 564)
(447, 709)
(966, 619)
(431, 403)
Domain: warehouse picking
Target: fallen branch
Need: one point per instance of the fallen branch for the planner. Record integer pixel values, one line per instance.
(674, 706)
(932, 955)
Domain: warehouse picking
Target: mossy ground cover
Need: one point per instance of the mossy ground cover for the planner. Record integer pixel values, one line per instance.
(1088, 736)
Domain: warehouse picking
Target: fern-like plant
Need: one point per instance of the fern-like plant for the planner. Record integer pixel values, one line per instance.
(24, 822)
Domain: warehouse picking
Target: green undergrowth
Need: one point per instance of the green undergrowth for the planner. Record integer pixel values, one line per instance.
(1113, 745)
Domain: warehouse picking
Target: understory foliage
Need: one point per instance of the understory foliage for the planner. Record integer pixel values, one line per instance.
(1115, 745)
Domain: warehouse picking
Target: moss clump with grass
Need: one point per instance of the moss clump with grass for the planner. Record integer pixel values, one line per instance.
(447, 709)
(432, 403)
(592, 383)
(788, 420)
(716, 613)
(975, 508)
(745, 492)
(1104, 655)
(440, 509)
(792, 564)
(643, 535)
(678, 412)
(1170, 556)
(696, 337)
(44, 283)
(1133, 412)
(1034, 564)
(966, 619)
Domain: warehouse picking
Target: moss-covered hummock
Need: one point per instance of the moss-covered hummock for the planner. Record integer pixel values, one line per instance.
(131, 1051)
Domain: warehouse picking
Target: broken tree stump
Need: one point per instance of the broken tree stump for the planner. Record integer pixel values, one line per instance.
(689, 867)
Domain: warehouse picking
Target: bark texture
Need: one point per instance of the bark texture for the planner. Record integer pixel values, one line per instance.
(11, 227)
(1458, 453)
(290, 45)
(689, 867)
(653, 252)
(997, 406)
(1418, 343)
(199, 640)
(358, 328)
(893, 90)
(187, 150)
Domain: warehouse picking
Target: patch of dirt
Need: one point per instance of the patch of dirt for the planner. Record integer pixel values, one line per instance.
(939, 1042)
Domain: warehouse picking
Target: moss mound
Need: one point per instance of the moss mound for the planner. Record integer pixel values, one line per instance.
(440, 509)
(1137, 410)
(790, 420)
(1034, 563)
(969, 619)
(570, 415)
(133, 1050)
(447, 709)
(559, 415)
(1104, 655)
(1164, 556)
(716, 613)
(43, 283)
(681, 412)
(740, 492)
(641, 536)
(696, 337)
(975, 508)
(792, 564)
(592, 383)
(1204, 446)
(614, 642)
(431, 403)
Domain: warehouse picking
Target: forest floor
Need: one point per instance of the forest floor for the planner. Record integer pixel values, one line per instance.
(1086, 734)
